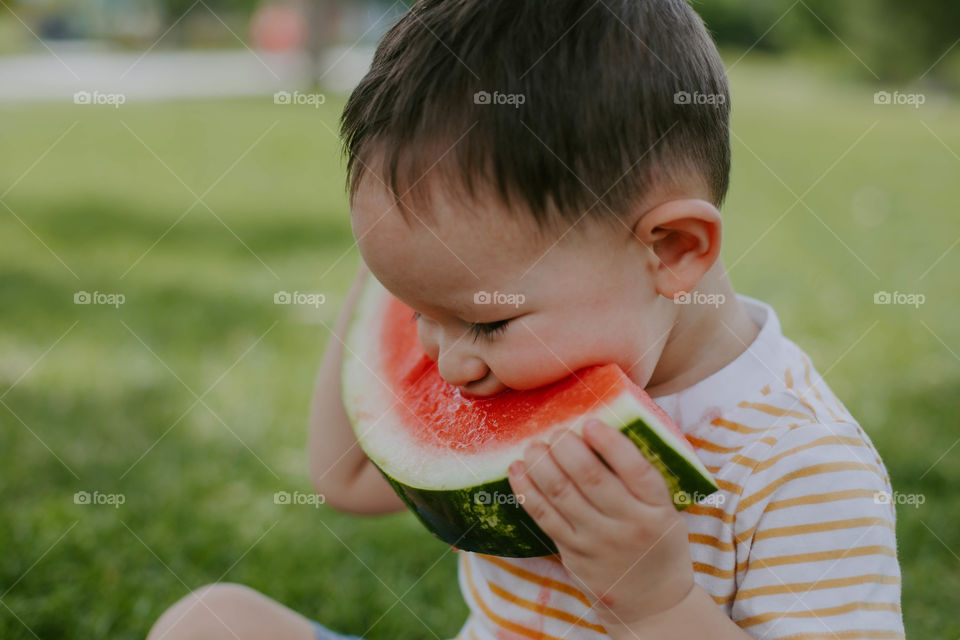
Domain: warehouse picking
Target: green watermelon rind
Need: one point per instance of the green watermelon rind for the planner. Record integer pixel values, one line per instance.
(504, 528)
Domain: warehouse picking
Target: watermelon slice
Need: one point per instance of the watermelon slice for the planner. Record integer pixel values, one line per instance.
(447, 455)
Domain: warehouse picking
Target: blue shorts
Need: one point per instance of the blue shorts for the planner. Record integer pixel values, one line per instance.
(324, 633)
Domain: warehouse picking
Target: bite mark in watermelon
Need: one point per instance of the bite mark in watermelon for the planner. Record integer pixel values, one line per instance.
(447, 455)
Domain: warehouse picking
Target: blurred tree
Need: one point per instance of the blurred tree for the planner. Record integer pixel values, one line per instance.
(897, 40)
(902, 41)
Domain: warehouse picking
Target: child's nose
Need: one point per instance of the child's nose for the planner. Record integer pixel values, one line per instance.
(461, 369)
(485, 386)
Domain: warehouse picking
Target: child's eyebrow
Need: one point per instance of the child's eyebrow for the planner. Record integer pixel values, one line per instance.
(441, 310)
(457, 309)
(417, 314)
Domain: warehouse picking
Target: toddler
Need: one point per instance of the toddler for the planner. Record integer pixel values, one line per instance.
(576, 154)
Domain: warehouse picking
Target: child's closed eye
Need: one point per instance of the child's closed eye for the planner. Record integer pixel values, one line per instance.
(486, 330)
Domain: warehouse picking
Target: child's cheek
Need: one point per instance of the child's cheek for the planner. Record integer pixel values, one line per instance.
(519, 366)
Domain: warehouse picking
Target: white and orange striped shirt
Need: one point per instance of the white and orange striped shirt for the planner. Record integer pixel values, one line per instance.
(798, 543)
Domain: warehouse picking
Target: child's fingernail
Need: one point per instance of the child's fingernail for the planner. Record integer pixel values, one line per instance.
(515, 468)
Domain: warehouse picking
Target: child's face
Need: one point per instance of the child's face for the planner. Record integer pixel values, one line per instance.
(587, 298)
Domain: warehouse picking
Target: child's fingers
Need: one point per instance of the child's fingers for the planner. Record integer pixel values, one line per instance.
(555, 485)
(591, 476)
(619, 451)
(543, 513)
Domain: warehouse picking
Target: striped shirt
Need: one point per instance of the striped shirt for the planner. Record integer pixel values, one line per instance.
(798, 543)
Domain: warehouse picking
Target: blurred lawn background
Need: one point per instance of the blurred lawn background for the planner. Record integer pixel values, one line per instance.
(191, 398)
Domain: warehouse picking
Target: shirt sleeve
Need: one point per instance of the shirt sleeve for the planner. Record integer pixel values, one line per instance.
(815, 540)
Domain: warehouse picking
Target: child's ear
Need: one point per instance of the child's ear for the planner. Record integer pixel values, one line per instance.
(684, 235)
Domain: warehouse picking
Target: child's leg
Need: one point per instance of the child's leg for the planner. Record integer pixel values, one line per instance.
(232, 612)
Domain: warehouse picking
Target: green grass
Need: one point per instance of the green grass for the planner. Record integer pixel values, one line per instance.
(102, 399)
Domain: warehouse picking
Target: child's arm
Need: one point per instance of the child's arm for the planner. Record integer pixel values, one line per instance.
(339, 468)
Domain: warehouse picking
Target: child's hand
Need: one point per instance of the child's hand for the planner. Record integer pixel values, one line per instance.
(616, 528)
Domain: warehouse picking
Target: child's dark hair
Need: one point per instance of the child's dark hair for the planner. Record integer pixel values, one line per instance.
(572, 106)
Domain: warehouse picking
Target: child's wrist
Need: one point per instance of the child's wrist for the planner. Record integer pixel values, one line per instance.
(660, 624)
(647, 604)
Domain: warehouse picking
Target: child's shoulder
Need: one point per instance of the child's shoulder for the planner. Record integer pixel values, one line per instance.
(805, 458)
(791, 439)
(789, 462)
(790, 425)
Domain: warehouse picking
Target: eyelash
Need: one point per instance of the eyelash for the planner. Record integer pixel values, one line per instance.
(488, 330)
(485, 330)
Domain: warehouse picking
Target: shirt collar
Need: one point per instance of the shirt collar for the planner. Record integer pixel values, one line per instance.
(745, 375)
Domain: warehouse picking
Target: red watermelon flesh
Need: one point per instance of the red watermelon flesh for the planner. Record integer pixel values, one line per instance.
(438, 415)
